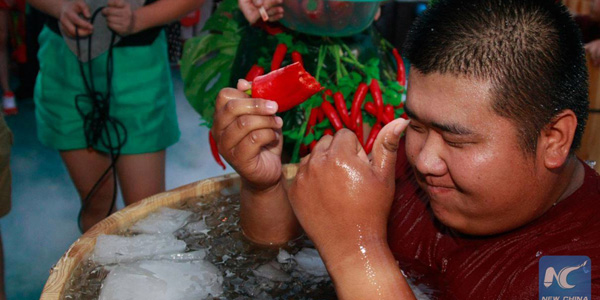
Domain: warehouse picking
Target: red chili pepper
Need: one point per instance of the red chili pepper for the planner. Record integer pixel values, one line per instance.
(328, 131)
(357, 101)
(314, 113)
(404, 116)
(288, 86)
(320, 115)
(389, 112)
(370, 108)
(372, 136)
(214, 150)
(332, 115)
(312, 145)
(303, 150)
(278, 57)
(297, 57)
(254, 72)
(329, 93)
(340, 105)
(401, 72)
(270, 27)
(359, 128)
(377, 98)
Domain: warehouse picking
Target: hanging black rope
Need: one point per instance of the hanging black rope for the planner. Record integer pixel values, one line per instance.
(99, 127)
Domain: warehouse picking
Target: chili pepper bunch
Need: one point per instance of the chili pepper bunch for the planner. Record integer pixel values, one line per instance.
(362, 79)
(358, 96)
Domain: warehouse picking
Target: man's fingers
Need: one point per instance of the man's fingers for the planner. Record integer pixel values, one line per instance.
(238, 107)
(385, 147)
(243, 85)
(226, 95)
(245, 125)
(252, 144)
(322, 145)
(345, 140)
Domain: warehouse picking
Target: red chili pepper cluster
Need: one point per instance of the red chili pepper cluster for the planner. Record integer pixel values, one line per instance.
(291, 85)
(339, 118)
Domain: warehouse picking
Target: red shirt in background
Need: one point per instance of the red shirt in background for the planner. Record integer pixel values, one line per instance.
(499, 267)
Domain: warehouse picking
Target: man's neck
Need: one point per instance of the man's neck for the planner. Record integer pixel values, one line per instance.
(574, 175)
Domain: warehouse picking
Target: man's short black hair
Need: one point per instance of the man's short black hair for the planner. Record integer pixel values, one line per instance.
(529, 50)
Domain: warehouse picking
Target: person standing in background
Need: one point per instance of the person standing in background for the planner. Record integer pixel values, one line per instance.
(141, 99)
(9, 104)
(6, 140)
(590, 31)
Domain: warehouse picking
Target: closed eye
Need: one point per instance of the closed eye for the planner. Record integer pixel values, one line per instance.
(416, 127)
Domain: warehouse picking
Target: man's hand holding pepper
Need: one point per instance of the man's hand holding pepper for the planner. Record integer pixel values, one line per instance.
(248, 136)
(342, 200)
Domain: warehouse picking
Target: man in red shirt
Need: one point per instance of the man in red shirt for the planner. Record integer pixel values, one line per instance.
(486, 182)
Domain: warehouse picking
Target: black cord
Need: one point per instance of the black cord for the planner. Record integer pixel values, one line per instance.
(97, 123)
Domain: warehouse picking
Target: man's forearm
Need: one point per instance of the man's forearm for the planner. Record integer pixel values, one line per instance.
(371, 272)
(266, 216)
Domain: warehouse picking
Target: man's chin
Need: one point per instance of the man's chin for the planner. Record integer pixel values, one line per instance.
(456, 221)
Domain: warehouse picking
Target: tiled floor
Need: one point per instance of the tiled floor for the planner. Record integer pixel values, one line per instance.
(42, 223)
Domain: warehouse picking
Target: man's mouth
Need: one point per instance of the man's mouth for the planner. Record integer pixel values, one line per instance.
(436, 190)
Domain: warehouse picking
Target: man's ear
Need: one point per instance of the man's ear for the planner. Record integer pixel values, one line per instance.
(556, 139)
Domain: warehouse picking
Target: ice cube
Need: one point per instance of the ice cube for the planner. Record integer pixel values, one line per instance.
(310, 262)
(149, 280)
(197, 228)
(164, 220)
(272, 271)
(114, 249)
(182, 257)
(283, 256)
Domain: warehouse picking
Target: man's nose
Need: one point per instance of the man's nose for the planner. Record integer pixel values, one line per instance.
(430, 161)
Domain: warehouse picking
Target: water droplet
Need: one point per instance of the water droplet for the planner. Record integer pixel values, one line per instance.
(538, 254)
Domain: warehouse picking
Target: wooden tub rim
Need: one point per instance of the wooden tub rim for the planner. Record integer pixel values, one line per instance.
(60, 273)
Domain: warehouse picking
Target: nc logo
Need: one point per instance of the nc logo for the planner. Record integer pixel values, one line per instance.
(565, 278)
(561, 277)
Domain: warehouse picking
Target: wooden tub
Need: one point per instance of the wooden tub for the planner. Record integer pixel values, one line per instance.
(60, 274)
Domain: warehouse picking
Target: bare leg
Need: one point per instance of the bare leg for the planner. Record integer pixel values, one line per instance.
(2, 289)
(141, 175)
(4, 80)
(85, 168)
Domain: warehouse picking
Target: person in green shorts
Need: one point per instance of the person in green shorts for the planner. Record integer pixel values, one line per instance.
(142, 98)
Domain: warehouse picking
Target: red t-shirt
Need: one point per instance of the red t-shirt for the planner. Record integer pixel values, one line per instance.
(499, 267)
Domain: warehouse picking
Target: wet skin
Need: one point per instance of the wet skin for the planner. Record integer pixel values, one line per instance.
(468, 159)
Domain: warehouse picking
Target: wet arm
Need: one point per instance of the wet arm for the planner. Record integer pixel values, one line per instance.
(371, 272)
(266, 216)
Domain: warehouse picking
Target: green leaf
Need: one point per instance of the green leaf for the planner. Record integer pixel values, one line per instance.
(308, 139)
(356, 78)
(286, 39)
